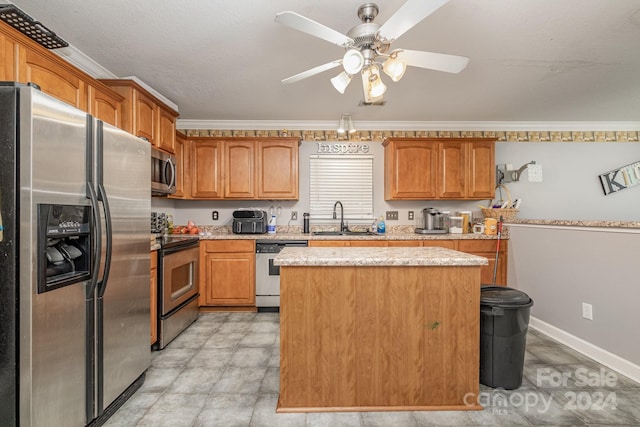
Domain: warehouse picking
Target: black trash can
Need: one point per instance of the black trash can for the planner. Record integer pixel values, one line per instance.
(504, 320)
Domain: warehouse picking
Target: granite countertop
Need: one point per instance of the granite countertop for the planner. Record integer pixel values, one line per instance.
(376, 257)
(295, 233)
(576, 223)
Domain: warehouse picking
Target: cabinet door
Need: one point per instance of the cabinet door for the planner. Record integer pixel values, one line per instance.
(239, 161)
(166, 139)
(53, 77)
(487, 249)
(410, 169)
(278, 169)
(153, 289)
(205, 169)
(230, 279)
(482, 167)
(105, 106)
(145, 110)
(8, 68)
(182, 162)
(452, 168)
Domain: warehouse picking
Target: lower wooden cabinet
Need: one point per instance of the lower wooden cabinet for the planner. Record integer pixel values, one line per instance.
(487, 249)
(483, 248)
(153, 291)
(227, 271)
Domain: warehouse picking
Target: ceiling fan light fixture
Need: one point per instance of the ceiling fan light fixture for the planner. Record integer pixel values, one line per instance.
(394, 67)
(346, 124)
(376, 88)
(352, 61)
(341, 81)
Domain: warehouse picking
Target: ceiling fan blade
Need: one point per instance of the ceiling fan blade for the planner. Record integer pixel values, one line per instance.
(306, 25)
(409, 14)
(434, 61)
(313, 71)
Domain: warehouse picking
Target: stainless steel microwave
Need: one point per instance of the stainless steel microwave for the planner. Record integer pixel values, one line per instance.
(163, 173)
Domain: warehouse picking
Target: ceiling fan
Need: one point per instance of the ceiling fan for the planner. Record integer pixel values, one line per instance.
(367, 47)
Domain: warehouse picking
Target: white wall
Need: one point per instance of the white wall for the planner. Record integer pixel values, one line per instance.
(571, 189)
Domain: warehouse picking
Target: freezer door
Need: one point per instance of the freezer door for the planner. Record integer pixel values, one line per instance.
(53, 328)
(125, 170)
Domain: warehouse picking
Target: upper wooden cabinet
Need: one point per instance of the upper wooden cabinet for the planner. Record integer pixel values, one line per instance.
(105, 105)
(26, 61)
(182, 164)
(205, 168)
(246, 168)
(278, 169)
(145, 116)
(437, 168)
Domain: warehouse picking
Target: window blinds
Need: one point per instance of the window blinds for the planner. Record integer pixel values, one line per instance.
(348, 179)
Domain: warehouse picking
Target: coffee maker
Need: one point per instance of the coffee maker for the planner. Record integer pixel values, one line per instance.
(433, 222)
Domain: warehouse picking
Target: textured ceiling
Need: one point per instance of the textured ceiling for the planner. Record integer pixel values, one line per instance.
(531, 60)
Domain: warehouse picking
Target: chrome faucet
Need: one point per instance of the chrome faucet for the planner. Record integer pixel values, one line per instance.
(343, 227)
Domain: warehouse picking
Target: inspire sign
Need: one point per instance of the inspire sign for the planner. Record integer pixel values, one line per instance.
(620, 179)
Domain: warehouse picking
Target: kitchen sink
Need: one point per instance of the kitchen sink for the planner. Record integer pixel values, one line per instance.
(344, 233)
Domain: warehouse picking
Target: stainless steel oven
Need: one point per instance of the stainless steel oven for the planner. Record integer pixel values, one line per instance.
(267, 274)
(177, 286)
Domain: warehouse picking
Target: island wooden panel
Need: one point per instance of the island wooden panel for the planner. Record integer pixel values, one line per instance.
(378, 338)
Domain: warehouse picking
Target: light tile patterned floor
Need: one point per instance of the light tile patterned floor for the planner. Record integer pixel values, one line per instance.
(223, 371)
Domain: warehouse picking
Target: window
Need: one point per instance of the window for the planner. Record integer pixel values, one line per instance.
(348, 179)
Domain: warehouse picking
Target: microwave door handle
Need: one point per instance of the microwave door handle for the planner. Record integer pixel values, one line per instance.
(170, 167)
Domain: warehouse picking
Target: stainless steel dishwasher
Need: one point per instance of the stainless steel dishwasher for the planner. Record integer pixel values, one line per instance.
(267, 274)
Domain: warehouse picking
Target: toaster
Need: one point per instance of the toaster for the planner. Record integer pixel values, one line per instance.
(249, 221)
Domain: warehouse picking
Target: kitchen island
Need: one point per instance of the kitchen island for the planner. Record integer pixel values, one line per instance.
(377, 329)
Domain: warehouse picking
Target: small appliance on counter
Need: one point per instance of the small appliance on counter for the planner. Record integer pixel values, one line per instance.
(433, 222)
(250, 221)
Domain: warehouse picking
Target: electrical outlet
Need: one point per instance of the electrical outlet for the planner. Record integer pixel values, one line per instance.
(392, 215)
(214, 215)
(294, 215)
(410, 215)
(587, 311)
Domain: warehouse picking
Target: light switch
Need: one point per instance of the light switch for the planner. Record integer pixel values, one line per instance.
(535, 173)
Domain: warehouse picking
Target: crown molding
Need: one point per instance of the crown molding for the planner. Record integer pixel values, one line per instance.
(74, 56)
(611, 126)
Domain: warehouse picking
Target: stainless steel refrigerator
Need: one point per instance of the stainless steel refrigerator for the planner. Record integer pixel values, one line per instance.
(74, 262)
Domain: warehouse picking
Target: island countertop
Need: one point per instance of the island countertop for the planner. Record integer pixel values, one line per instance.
(376, 256)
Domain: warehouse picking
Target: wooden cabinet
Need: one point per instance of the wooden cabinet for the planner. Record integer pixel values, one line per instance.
(447, 244)
(182, 163)
(439, 168)
(277, 169)
(487, 249)
(153, 291)
(144, 115)
(8, 66)
(327, 243)
(239, 167)
(410, 169)
(228, 268)
(54, 77)
(205, 168)
(243, 168)
(105, 105)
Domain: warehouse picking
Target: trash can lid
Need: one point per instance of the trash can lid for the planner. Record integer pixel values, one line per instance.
(503, 296)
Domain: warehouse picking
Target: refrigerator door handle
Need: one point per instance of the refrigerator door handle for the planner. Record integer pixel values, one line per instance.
(102, 285)
(91, 195)
(169, 166)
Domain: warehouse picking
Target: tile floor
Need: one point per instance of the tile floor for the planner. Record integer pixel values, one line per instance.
(223, 371)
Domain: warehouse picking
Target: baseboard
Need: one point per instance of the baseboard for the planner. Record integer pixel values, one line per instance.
(598, 354)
